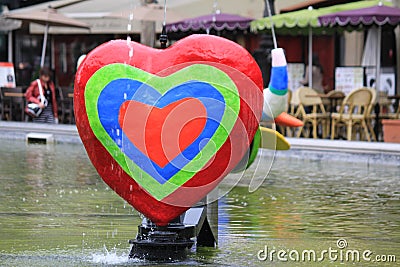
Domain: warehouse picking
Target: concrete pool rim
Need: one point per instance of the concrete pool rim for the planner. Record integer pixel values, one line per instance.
(319, 149)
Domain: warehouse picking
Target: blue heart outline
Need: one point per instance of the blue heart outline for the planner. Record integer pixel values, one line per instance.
(120, 90)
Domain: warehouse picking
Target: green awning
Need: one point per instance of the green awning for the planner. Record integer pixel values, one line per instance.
(299, 22)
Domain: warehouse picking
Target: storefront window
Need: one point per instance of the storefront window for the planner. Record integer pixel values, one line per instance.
(3, 48)
(27, 58)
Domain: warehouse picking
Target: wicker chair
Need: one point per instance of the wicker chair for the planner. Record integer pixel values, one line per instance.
(386, 110)
(353, 113)
(386, 107)
(282, 129)
(312, 112)
(65, 104)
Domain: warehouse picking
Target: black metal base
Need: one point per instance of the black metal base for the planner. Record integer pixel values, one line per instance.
(173, 242)
(168, 243)
(159, 252)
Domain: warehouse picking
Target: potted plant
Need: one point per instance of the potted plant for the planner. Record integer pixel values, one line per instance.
(391, 131)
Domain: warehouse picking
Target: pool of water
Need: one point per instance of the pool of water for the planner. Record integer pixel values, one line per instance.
(56, 211)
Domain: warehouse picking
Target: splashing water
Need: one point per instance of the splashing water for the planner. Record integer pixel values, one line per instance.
(111, 257)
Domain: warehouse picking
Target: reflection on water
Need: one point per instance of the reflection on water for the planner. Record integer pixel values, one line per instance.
(55, 210)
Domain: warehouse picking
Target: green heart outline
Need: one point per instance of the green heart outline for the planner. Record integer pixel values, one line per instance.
(202, 72)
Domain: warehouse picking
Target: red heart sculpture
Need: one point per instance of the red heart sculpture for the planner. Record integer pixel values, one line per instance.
(184, 120)
(219, 53)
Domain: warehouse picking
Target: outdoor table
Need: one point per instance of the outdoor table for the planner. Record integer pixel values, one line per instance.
(13, 94)
(12, 98)
(333, 99)
(70, 104)
(396, 101)
(396, 98)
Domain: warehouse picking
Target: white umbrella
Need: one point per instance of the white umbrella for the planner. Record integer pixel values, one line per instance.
(370, 48)
(48, 17)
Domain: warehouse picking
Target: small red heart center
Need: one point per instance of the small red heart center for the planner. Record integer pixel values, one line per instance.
(163, 133)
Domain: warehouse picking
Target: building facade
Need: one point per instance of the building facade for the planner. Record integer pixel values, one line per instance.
(65, 46)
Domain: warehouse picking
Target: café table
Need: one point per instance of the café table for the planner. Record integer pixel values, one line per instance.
(14, 100)
(397, 97)
(68, 104)
(333, 97)
(397, 100)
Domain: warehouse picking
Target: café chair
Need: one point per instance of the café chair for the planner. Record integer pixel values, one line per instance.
(395, 115)
(65, 104)
(386, 109)
(293, 104)
(370, 118)
(282, 129)
(2, 105)
(312, 112)
(60, 104)
(353, 113)
(12, 103)
(6, 105)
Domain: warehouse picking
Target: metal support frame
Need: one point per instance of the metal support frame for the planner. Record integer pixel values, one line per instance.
(196, 227)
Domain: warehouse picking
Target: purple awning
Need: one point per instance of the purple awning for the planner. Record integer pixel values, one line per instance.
(379, 15)
(219, 21)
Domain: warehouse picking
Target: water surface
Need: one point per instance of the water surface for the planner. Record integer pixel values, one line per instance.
(56, 211)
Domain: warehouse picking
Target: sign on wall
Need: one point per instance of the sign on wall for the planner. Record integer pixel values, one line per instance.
(387, 80)
(295, 75)
(348, 78)
(7, 75)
